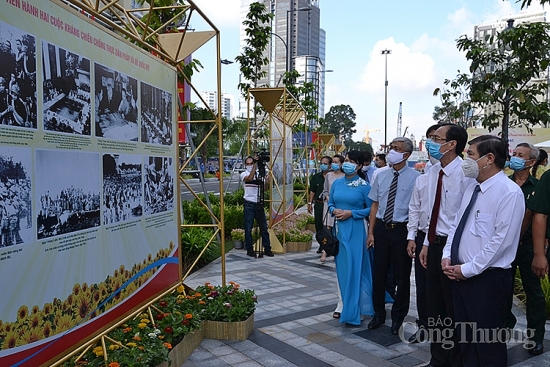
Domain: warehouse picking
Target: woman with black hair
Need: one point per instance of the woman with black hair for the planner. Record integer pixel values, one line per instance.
(540, 165)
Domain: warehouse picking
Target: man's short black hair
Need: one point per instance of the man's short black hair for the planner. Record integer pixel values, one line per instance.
(458, 134)
(327, 157)
(431, 129)
(486, 144)
(381, 156)
(367, 156)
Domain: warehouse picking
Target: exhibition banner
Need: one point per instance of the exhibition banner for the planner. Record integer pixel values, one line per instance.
(88, 174)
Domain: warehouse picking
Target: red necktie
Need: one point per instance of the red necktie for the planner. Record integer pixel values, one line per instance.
(435, 209)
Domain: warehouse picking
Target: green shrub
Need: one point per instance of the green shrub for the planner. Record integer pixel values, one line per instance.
(233, 217)
(193, 241)
(234, 198)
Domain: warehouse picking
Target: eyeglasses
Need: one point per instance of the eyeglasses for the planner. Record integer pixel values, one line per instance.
(437, 138)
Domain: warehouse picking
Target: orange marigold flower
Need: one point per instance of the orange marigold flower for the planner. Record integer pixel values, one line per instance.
(188, 316)
(114, 364)
(141, 348)
(198, 294)
(136, 337)
(202, 303)
(127, 330)
(168, 345)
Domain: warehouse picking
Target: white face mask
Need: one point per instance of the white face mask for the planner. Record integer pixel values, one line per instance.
(365, 168)
(470, 167)
(395, 157)
(249, 168)
(433, 160)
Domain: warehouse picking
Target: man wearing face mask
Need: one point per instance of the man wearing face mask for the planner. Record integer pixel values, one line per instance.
(480, 248)
(316, 186)
(367, 169)
(443, 194)
(380, 164)
(253, 209)
(391, 193)
(524, 157)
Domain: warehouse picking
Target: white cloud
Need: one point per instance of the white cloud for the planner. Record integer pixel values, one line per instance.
(408, 69)
(223, 13)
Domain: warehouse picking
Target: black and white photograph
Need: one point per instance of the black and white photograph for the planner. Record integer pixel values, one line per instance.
(156, 115)
(67, 191)
(122, 189)
(17, 77)
(159, 184)
(116, 113)
(66, 91)
(15, 196)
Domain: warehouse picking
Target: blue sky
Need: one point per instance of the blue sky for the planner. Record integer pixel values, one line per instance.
(421, 34)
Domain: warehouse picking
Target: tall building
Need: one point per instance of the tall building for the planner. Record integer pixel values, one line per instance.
(296, 40)
(211, 99)
(485, 30)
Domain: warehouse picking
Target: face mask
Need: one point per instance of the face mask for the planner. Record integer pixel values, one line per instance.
(506, 164)
(249, 168)
(433, 149)
(365, 168)
(376, 164)
(323, 167)
(335, 166)
(470, 167)
(395, 157)
(349, 168)
(517, 164)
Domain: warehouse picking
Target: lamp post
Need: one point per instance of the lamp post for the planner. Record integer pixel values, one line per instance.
(386, 52)
(506, 119)
(288, 54)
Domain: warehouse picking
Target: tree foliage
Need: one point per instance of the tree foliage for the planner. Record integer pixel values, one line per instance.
(456, 107)
(358, 145)
(253, 57)
(340, 121)
(305, 95)
(508, 72)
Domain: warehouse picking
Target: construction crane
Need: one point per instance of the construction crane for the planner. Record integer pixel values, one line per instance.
(405, 133)
(399, 120)
(367, 139)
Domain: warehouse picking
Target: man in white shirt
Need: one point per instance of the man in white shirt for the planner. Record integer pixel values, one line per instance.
(419, 210)
(444, 194)
(480, 248)
(253, 207)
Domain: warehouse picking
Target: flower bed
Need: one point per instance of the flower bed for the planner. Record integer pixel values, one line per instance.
(180, 319)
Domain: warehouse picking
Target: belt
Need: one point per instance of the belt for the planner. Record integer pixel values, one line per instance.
(319, 201)
(393, 225)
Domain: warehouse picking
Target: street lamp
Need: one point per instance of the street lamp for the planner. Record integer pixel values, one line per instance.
(386, 52)
(226, 62)
(288, 54)
(506, 121)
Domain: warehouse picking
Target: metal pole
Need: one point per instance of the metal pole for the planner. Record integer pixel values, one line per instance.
(385, 53)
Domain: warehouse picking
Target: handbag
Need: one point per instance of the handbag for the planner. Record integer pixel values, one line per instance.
(328, 242)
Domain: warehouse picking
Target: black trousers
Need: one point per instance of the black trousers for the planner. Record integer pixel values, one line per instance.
(318, 214)
(440, 310)
(391, 249)
(480, 311)
(421, 282)
(536, 305)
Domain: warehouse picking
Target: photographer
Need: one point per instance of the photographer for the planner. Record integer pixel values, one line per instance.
(253, 178)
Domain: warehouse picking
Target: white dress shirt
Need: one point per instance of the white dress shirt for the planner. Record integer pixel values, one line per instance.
(491, 233)
(376, 172)
(418, 208)
(452, 190)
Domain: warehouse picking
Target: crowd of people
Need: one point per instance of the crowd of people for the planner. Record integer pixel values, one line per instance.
(468, 223)
(156, 113)
(121, 196)
(159, 185)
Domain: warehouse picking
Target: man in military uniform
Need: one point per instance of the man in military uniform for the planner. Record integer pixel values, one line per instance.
(316, 186)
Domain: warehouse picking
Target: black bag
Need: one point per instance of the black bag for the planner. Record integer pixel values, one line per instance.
(328, 242)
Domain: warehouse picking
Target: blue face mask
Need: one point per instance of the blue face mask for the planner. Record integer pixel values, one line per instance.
(517, 164)
(323, 167)
(349, 168)
(433, 149)
(335, 166)
(506, 164)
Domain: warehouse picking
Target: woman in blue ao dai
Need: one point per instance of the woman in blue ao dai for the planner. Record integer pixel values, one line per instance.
(350, 205)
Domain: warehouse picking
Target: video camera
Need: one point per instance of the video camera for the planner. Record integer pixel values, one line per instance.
(261, 158)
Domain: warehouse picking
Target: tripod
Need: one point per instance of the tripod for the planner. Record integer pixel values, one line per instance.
(259, 213)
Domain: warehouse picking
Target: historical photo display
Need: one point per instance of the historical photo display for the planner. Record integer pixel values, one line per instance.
(67, 191)
(156, 115)
(66, 91)
(15, 196)
(122, 187)
(116, 114)
(159, 184)
(17, 77)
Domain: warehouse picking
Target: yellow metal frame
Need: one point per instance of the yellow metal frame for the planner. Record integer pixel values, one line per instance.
(173, 48)
(282, 105)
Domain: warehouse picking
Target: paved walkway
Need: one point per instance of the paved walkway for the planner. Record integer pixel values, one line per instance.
(294, 324)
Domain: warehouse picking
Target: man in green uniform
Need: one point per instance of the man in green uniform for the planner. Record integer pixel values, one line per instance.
(316, 185)
(523, 159)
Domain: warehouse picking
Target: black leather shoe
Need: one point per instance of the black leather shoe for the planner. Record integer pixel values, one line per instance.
(420, 336)
(395, 326)
(268, 253)
(537, 349)
(251, 253)
(376, 322)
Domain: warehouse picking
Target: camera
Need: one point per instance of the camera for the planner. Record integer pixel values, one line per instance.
(261, 158)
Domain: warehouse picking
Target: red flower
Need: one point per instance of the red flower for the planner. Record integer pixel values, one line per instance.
(160, 316)
(163, 303)
(185, 322)
(168, 330)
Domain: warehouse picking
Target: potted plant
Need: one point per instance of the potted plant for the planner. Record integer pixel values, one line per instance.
(228, 311)
(237, 235)
(299, 240)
